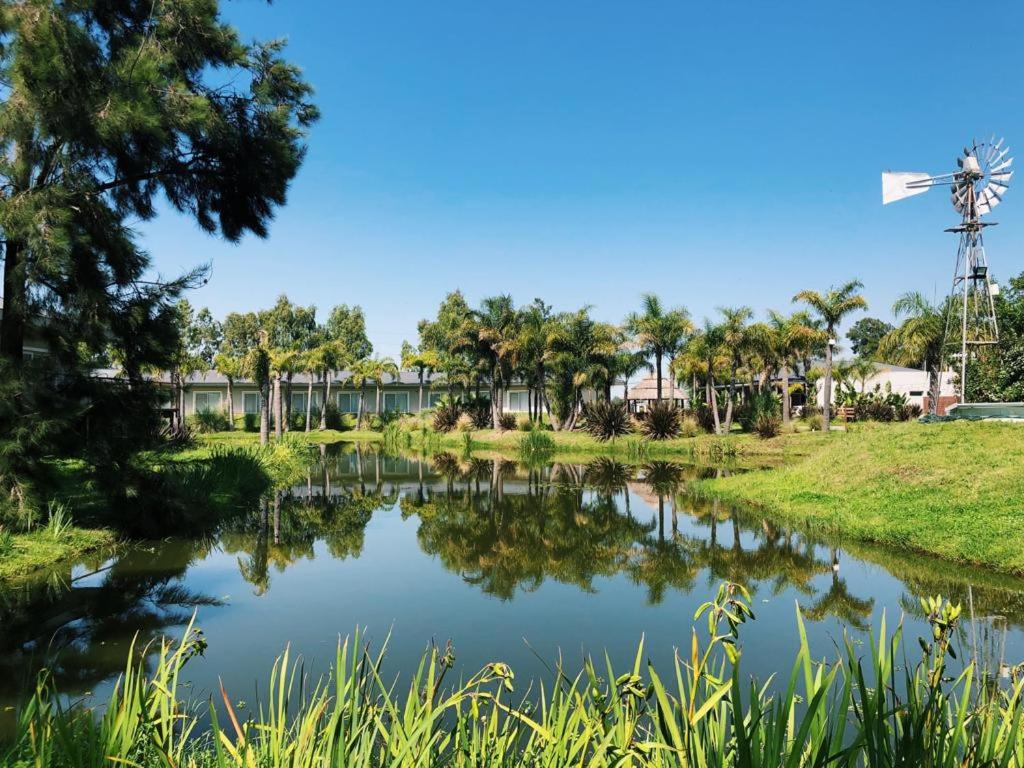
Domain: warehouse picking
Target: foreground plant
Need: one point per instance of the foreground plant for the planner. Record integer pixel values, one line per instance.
(704, 714)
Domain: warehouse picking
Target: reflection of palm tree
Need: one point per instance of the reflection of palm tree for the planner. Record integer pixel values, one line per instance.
(839, 602)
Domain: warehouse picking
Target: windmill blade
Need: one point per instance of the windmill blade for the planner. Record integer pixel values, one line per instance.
(1002, 178)
(1001, 166)
(897, 185)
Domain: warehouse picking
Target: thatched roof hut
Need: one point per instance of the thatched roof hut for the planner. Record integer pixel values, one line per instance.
(644, 393)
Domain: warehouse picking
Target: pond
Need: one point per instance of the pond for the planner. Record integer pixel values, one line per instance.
(510, 563)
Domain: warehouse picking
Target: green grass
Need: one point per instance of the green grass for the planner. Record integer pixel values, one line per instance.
(27, 553)
(955, 490)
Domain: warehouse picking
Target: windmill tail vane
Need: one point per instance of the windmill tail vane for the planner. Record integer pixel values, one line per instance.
(976, 187)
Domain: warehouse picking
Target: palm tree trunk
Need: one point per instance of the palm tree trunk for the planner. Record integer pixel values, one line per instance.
(278, 413)
(786, 407)
(826, 414)
(264, 412)
(657, 362)
(231, 403)
(732, 397)
(325, 389)
(309, 403)
(377, 403)
(935, 389)
(359, 410)
(714, 406)
(288, 401)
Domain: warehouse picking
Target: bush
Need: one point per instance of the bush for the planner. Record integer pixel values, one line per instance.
(661, 422)
(815, 422)
(507, 422)
(703, 416)
(464, 423)
(536, 446)
(523, 424)
(767, 425)
(251, 422)
(479, 411)
(605, 420)
(689, 427)
(910, 411)
(204, 422)
(334, 418)
(446, 415)
(759, 404)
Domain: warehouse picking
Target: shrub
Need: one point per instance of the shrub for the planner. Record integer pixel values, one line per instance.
(204, 422)
(661, 422)
(6, 542)
(536, 446)
(768, 425)
(816, 422)
(606, 420)
(910, 411)
(704, 417)
(446, 415)
(335, 418)
(465, 423)
(507, 422)
(479, 411)
(764, 402)
(689, 427)
(251, 422)
(524, 424)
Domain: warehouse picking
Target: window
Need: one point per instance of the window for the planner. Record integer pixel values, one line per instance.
(299, 402)
(917, 393)
(207, 401)
(396, 402)
(518, 401)
(348, 402)
(251, 402)
(433, 399)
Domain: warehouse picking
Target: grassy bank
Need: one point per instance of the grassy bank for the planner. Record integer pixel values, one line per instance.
(954, 490)
(25, 553)
(565, 443)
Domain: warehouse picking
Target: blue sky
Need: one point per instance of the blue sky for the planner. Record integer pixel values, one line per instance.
(587, 152)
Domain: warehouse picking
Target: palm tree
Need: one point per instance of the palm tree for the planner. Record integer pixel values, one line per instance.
(737, 340)
(793, 336)
(281, 361)
(832, 307)
(256, 365)
(492, 332)
(421, 361)
(358, 374)
(230, 368)
(705, 352)
(918, 340)
(581, 354)
(659, 333)
(628, 364)
(377, 368)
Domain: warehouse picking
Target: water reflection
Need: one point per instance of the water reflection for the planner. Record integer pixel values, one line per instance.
(503, 529)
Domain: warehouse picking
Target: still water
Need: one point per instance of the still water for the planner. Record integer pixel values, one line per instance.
(516, 564)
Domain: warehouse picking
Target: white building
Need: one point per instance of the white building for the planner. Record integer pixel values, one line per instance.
(910, 382)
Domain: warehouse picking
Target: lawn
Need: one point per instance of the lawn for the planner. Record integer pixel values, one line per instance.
(955, 490)
(26, 553)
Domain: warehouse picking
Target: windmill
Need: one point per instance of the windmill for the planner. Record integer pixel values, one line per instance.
(976, 187)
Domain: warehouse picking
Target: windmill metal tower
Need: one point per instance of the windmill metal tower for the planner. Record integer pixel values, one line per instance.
(976, 187)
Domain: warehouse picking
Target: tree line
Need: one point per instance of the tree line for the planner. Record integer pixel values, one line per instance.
(480, 351)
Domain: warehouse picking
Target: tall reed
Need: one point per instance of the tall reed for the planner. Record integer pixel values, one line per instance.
(878, 711)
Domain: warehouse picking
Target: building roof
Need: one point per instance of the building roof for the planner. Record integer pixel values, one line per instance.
(647, 389)
(215, 379)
